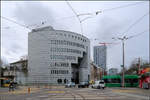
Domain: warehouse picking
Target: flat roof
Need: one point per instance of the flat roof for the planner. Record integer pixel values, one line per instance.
(19, 61)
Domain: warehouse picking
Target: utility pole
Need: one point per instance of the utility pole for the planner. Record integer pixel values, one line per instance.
(149, 47)
(123, 63)
(123, 39)
(139, 62)
(0, 72)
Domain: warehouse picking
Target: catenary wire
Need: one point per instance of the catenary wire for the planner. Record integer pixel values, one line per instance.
(137, 21)
(15, 22)
(138, 34)
(105, 10)
(115, 8)
(81, 27)
(77, 15)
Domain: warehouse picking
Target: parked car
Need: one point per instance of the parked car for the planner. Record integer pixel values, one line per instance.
(70, 84)
(83, 84)
(99, 84)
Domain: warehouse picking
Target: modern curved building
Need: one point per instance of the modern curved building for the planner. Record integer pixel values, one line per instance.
(57, 56)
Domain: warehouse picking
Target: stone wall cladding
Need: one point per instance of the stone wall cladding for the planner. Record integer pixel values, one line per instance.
(51, 53)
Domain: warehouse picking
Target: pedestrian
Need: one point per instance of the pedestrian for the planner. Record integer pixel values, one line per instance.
(11, 86)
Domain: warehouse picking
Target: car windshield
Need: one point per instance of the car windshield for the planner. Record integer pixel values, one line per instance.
(101, 82)
(82, 83)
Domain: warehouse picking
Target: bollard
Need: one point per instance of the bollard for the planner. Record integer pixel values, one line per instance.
(29, 89)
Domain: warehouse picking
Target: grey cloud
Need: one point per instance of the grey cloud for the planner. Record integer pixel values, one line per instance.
(108, 28)
(11, 49)
(102, 27)
(15, 48)
(33, 13)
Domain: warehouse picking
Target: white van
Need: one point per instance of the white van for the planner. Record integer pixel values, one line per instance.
(99, 84)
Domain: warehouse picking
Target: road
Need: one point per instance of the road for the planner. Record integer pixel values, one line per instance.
(61, 93)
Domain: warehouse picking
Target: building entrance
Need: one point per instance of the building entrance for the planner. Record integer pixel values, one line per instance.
(75, 73)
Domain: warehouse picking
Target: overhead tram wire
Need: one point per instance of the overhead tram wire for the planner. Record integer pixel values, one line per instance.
(105, 10)
(137, 21)
(15, 22)
(124, 6)
(82, 14)
(22, 25)
(133, 36)
(109, 9)
(138, 34)
(76, 16)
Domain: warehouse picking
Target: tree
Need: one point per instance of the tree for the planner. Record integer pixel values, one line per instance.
(134, 67)
(1, 62)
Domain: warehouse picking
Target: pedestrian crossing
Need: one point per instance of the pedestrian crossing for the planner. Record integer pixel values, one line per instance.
(71, 94)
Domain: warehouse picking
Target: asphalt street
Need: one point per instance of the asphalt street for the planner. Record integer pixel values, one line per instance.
(61, 93)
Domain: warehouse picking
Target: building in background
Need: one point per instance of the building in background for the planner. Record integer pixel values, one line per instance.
(113, 71)
(96, 72)
(57, 56)
(21, 71)
(17, 71)
(100, 56)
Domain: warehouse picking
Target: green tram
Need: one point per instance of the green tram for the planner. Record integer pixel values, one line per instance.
(115, 80)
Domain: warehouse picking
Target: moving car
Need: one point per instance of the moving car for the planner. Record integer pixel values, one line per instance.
(99, 84)
(83, 84)
(70, 84)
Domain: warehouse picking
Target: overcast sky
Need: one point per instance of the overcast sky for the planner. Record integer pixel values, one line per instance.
(104, 26)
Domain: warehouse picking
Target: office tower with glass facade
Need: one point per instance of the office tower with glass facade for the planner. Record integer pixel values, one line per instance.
(100, 56)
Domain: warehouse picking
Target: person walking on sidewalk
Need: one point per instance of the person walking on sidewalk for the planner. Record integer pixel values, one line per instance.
(11, 86)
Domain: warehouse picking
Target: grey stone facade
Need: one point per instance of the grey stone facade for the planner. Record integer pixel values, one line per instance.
(57, 56)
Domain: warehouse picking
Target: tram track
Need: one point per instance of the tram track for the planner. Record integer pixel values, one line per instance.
(83, 98)
(74, 95)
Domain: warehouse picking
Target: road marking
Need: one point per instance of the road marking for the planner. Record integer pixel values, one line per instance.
(56, 92)
(21, 91)
(126, 91)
